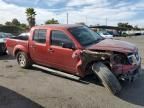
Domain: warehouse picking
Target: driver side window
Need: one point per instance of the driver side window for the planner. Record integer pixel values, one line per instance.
(58, 38)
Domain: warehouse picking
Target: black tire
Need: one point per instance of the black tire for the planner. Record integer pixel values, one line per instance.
(3, 52)
(23, 60)
(107, 78)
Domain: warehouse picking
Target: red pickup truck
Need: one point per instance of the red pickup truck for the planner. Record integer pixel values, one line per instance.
(77, 50)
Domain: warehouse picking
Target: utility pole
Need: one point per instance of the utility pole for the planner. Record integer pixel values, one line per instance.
(106, 21)
(86, 20)
(67, 18)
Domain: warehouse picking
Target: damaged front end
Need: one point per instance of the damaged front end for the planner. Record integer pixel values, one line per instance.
(131, 70)
(124, 66)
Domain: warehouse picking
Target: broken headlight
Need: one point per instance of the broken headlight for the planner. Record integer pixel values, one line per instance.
(134, 58)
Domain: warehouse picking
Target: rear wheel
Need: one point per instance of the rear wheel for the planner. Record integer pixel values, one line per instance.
(23, 60)
(107, 78)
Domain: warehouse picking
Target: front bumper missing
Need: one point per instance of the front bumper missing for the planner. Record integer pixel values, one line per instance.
(132, 76)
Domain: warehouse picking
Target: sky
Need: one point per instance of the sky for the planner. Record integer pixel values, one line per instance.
(91, 12)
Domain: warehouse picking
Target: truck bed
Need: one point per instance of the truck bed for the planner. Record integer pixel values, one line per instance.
(11, 43)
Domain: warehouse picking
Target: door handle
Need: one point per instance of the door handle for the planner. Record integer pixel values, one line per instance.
(33, 46)
(50, 50)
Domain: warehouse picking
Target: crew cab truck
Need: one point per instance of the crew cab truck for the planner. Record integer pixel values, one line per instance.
(77, 50)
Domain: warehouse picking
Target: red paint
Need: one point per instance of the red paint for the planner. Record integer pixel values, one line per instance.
(114, 45)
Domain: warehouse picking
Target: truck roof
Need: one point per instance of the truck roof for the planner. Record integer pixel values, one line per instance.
(58, 26)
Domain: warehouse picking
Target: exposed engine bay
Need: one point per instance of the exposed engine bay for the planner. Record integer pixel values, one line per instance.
(124, 66)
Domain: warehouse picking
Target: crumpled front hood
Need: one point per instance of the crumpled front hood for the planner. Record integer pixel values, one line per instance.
(114, 45)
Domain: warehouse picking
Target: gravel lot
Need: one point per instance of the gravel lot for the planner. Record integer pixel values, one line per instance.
(35, 88)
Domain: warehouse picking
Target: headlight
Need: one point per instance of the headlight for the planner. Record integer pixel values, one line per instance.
(134, 58)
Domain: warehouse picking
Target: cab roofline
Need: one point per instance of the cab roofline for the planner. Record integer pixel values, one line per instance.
(67, 26)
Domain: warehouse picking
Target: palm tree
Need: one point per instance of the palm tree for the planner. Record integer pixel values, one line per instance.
(30, 12)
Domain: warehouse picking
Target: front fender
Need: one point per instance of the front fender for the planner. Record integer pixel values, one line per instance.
(87, 58)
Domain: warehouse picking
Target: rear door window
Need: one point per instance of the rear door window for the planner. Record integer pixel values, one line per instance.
(59, 37)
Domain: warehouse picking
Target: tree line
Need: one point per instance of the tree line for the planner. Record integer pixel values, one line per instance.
(31, 14)
(127, 26)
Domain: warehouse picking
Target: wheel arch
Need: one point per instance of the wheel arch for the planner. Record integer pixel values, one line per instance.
(19, 48)
(89, 64)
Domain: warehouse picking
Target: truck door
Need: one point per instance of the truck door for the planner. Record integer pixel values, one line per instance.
(61, 57)
(38, 45)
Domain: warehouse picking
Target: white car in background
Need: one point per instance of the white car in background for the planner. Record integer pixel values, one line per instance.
(22, 36)
(25, 34)
(105, 35)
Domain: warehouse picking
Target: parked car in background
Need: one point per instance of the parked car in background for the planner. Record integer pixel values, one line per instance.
(3, 37)
(105, 34)
(22, 36)
(114, 33)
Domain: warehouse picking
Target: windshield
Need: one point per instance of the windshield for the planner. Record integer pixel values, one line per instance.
(85, 36)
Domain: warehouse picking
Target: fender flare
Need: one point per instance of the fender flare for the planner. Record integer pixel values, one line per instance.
(19, 48)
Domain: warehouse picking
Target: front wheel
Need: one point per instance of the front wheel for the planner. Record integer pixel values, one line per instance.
(108, 79)
(23, 60)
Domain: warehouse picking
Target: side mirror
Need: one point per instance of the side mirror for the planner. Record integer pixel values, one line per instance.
(68, 45)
